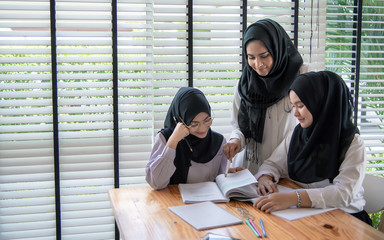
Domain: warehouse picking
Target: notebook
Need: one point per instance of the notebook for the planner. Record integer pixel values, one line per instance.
(205, 215)
(239, 185)
(294, 213)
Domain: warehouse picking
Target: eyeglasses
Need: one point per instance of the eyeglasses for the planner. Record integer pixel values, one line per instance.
(194, 125)
(206, 122)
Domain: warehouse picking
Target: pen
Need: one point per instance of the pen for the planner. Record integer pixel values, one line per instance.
(190, 148)
(253, 230)
(250, 220)
(262, 228)
(226, 170)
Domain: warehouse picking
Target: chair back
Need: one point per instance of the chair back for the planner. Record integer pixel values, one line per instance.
(373, 193)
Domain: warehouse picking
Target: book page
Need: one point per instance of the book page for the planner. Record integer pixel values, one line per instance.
(200, 192)
(293, 212)
(239, 184)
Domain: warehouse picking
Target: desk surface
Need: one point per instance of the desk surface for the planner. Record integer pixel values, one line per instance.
(142, 213)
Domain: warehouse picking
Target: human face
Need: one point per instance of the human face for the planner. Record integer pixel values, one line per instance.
(259, 58)
(300, 111)
(200, 125)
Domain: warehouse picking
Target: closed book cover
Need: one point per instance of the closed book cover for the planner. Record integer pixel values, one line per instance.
(205, 215)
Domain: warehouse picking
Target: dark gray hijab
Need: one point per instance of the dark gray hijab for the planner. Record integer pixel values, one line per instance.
(187, 103)
(315, 153)
(258, 93)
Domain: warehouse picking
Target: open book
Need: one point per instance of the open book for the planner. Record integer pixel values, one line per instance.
(240, 186)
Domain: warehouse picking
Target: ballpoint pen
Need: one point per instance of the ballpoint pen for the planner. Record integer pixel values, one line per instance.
(190, 148)
(227, 169)
(262, 228)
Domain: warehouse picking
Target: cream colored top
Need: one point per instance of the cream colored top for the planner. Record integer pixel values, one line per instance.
(346, 192)
(279, 121)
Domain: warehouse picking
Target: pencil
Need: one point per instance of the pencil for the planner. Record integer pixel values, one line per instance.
(227, 169)
(253, 230)
(190, 148)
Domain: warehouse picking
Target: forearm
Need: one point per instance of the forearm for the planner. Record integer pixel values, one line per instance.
(279, 201)
(160, 167)
(298, 198)
(302, 199)
(172, 142)
(346, 188)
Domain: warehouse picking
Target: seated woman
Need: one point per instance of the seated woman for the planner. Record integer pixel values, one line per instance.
(186, 150)
(325, 154)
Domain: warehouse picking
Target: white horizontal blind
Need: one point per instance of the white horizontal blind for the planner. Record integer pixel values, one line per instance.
(84, 79)
(311, 26)
(153, 64)
(136, 95)
(217, 55)
(170, 55)
(27, 189)
(341, 57)
(311, 34)
(371, 87)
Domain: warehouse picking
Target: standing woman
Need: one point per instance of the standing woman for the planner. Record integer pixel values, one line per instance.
(186, 150)
(325, 154)
(261, 111)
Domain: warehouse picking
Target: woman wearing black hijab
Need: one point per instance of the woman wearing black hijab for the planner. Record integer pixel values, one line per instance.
(325, 153)
(186, 150)
(260, 116)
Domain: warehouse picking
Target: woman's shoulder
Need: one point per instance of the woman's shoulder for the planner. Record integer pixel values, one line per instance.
(304, 68)
(357, 141)
(357, 147)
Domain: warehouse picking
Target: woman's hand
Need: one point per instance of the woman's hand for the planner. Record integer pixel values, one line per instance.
(231, 148)
(276, 201)
(180, 132)
(265, 185)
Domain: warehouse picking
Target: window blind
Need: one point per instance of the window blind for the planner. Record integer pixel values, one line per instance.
(156, 55)
(27, 203)
(355, 51)
(217, 55)
(137, 97)
(85, 115)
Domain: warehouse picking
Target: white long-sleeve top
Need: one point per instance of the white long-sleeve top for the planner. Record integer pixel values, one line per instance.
(346, 192)
(160, 167)
(279, 121)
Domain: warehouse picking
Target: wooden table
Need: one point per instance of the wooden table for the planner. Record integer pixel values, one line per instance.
(142, 213)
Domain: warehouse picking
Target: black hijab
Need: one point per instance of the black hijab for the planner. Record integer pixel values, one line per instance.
(187, 103)
(316, 153)
(258, 93)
